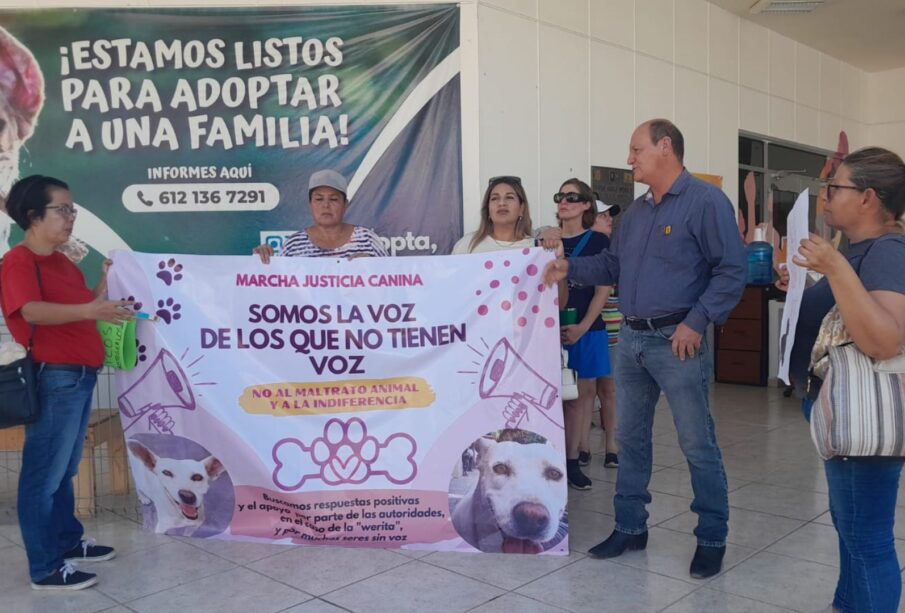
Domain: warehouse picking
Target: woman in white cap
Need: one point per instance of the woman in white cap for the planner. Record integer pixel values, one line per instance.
(330, 236)
(612, 319)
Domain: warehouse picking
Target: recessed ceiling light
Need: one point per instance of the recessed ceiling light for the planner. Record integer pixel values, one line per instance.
(784, 6)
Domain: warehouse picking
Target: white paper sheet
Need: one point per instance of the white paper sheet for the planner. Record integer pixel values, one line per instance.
(797, 231)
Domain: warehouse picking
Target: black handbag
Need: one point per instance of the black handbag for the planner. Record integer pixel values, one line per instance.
(19, 387)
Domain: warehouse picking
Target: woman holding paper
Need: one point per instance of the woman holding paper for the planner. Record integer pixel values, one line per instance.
(330, 236)
(865, 201)
(46, 305)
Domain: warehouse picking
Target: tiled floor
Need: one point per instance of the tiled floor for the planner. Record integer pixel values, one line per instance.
(781, 557)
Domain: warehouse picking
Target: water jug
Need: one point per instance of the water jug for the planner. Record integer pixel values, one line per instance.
(760, 260)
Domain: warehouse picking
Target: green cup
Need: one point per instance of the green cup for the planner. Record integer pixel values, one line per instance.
(120, 350)
(568, 317)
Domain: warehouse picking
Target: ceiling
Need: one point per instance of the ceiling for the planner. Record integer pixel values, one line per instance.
(869, 34)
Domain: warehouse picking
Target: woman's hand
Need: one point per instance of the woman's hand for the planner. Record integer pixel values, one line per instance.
(782, 283)
(111, 311)
(551, 240)
(105, 266)
(818, 254)
(570, 334)
(265, 252)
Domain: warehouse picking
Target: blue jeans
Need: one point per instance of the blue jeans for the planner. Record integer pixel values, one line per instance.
(863, 507)
(645, 365)
(50, 459)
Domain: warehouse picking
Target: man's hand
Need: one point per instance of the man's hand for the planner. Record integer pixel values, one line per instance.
(685, 341)
(556, 271)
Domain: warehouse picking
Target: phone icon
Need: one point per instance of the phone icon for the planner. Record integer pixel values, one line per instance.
(143, 200)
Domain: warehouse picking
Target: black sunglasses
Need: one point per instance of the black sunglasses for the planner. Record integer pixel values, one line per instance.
(511, 179)
(571, 197)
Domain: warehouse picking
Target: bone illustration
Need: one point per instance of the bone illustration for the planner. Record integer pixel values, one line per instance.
(345, 454)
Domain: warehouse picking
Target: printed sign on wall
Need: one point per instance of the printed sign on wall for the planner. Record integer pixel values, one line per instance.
(195, 131)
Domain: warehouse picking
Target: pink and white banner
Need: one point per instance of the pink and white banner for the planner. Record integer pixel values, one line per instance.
(378, 402)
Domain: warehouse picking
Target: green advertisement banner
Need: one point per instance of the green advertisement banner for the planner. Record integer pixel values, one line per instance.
(195, 131)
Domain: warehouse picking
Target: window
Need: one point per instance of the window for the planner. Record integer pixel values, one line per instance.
(779, 169)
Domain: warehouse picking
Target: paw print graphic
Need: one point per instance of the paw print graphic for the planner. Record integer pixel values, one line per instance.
(136, 306)
(170, 271)
(168, 310)
(141, 350)
(345, 452)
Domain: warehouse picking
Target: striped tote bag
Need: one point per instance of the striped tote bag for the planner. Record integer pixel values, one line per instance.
(860, 410)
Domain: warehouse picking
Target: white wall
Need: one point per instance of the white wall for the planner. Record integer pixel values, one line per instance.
(554, 86)
(886, 109)
(564, 82)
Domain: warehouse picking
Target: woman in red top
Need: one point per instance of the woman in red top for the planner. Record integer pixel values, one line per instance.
(44, 298)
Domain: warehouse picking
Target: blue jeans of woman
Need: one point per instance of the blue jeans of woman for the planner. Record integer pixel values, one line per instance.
(863, 507)
(50, 459)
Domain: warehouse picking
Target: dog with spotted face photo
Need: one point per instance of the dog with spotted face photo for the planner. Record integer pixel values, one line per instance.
(517, 501)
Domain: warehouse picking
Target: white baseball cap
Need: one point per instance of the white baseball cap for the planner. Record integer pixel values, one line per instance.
(612, 208)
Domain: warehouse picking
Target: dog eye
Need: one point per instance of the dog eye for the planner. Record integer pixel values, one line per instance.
(167, 473)
(197, 477)
(553, 474)
(501, 469)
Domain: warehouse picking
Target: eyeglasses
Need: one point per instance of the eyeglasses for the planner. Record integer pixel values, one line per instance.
(69, 212)
(831, 186)
(512, 179)
(571, 197)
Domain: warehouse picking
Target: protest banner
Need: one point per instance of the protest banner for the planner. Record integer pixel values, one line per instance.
(373, 402)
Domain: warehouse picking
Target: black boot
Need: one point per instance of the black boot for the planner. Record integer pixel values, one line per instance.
(707, 561)
(577, 479)
(617, 544)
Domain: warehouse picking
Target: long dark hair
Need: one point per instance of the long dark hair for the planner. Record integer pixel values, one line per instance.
(523, 227)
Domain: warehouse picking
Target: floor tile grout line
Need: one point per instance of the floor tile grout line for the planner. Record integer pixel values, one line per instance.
(99, 587)
(546, 574)
(278, 547)
(357, 581)
(514, 593)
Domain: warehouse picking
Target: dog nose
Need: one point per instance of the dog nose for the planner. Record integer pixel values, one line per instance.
(187, 497)
(531, 518)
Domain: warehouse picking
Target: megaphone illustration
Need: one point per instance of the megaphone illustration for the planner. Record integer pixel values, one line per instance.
(162, 386)
(506, 375)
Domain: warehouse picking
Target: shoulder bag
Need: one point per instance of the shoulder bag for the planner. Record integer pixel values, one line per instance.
(18, 386)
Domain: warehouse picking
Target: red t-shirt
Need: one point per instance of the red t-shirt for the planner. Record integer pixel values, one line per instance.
(61, 282)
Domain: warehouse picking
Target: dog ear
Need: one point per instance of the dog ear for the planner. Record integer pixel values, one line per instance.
(213, 466)
(484, 445)
(147, 457)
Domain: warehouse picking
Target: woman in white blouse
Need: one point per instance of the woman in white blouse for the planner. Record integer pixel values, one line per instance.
(505, 219)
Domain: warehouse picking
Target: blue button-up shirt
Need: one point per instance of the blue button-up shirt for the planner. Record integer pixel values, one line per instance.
(684, 253)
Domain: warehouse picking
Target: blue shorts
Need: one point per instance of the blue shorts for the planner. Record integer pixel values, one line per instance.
(590, 356)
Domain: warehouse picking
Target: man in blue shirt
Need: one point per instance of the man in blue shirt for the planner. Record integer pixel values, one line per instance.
(680, 265)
